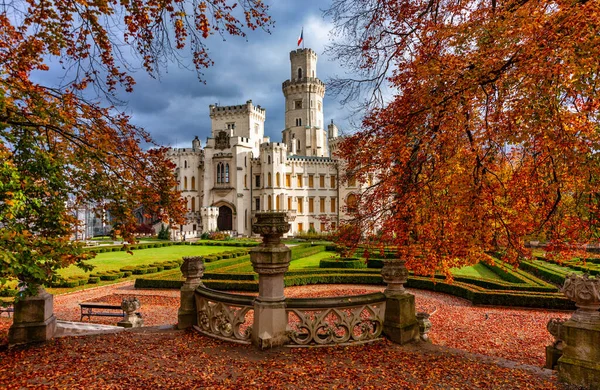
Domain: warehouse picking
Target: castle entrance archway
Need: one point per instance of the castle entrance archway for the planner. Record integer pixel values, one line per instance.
(225, 219)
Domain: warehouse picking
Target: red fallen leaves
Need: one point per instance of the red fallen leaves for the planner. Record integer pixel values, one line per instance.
(190, 360)
(178, 359)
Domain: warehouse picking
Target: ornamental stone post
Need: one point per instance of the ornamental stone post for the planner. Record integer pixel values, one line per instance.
(192, 270)
(270, 260)
(400, 323)
(34, 319)
(580, 335)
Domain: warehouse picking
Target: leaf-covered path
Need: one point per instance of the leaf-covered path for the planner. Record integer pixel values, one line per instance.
(153, 358)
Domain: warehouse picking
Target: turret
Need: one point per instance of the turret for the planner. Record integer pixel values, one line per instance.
(304, 94)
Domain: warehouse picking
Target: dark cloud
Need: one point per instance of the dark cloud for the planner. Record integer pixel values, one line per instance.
(174, 107)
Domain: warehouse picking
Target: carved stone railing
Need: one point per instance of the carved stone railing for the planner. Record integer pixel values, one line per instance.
(224, 316)
(339, 320)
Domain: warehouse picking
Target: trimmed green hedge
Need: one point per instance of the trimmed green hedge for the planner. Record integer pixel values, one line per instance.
(550, 275)
(344, 262)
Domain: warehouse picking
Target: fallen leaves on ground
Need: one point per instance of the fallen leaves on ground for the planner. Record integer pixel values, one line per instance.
(191, 360)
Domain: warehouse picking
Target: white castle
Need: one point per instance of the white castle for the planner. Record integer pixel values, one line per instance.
(239, 172)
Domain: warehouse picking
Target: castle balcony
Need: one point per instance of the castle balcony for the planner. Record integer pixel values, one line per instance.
(222, 189)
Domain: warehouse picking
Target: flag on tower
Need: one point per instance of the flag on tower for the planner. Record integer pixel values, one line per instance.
(301, 37)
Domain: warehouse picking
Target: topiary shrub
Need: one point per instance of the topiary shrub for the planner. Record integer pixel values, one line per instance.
(139, 271)
(151, 270)
(127, 274)
(93, 280)
(344, 262)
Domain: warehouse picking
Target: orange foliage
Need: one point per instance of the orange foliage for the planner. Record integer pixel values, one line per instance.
(491, 137)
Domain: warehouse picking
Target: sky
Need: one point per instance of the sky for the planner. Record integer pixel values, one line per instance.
(174, 108)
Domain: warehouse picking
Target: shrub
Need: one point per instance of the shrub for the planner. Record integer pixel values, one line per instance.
(127, 274)
(9, 292)
(151, 270)
(110, 276)
(163, 234)
(93, 280)
(139, 271)
(345, 262)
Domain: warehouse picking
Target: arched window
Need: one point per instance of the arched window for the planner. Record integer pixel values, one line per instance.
(185, 163)
(193, 182)
(269, 203)
(193, 204)
(269, 183)
(219, 166)
(351, 203)
(185, 182)
(277, 203)
(299, 73)
(269, 159)
(227, 173)
(278, 179)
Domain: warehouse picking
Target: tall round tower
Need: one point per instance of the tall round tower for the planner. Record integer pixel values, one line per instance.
(304, 131)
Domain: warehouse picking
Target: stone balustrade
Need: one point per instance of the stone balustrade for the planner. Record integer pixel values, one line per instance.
(337, 320)
(223, 315)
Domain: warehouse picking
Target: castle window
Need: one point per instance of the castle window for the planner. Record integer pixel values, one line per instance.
(227, 173)
(230, 126)
(298, 147)
(193, 205)
(332, 181)
(194, 227)
(299, 73)
(298, 121)
(269, 203)
(269, 182)
(288, 180)
(351, 203)
(257, 204)
(322, 181)
(311, 181)
(322, 205)
(300, 205)
(311, 205)
(257, 181)
(333, 205)
(185, 182)
(351, 181)
(219, 173)
(299, 181)
(268, 159)
(245, 181)
(193, 183)
(289, 203)
(298, 104)
(185, 163)
(278, 179)
(300, 227)
(278, 203)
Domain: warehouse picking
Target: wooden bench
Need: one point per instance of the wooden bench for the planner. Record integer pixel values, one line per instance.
(8, 310)
(102, 310)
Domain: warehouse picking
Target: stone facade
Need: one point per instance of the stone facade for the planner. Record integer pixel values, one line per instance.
(239, 171)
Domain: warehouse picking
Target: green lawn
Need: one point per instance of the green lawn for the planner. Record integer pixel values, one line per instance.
(115, 260)
(477, 271)
(558, 268)
(311, 261)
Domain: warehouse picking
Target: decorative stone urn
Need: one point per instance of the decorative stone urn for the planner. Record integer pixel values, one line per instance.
(131, 320)
(395, 274)
(554, 351)
(424, 325)
(270, 260)
(585, 292)
(192, 270)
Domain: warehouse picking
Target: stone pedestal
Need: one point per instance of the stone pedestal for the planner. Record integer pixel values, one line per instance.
(580, 336)
(33, 320)
(580, 360)
(400, 323)
(270, 260)
(192, 270)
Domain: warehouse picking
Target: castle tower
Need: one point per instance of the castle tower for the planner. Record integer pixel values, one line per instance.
(304, 128)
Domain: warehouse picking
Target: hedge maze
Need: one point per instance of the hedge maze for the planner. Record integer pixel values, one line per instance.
(535, 284)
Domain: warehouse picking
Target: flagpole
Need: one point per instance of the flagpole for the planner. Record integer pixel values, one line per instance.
(302, 37)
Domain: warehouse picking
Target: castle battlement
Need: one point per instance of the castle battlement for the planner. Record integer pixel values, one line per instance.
(248, 108)
(302, 52)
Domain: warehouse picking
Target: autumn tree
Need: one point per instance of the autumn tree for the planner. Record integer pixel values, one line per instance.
(482, 130)
(60, 149)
